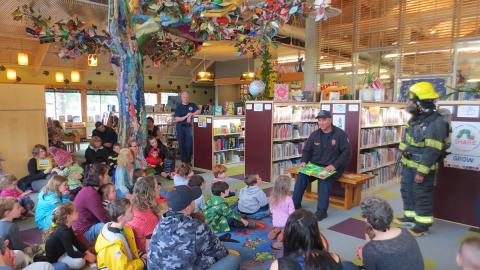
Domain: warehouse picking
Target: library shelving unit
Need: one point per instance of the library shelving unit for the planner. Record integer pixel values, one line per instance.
(375, 131)
(165, 122)
(217, 140)
(275, 134)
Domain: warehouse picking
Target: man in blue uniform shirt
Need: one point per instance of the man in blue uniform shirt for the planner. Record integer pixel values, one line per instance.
(183, 117)
(327, 147)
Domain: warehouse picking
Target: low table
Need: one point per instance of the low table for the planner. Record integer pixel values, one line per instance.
(351, 182)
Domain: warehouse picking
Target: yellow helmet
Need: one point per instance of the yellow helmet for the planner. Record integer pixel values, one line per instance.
(423, 90)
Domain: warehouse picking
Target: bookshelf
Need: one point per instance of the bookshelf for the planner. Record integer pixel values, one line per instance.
(165, 122)
(219, 137)
(374, 129)
(275, 134)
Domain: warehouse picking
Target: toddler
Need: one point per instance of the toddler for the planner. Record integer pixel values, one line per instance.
(10, 209)
(468, 256)
(219, 215)
(155, 162)
(115, 246)
(108, 194)
(9, 185)
(281, 206)
(220, 175)
(112, 158)
(252, 201)
(61, 243)
(183, 175)
(67, 168)
(198, 181)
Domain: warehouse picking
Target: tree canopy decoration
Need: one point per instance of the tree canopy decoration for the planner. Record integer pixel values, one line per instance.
(165, 31)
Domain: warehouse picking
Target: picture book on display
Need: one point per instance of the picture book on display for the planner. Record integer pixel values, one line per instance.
(314, 170)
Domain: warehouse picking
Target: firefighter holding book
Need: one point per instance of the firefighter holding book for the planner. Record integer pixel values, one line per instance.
(423, 145)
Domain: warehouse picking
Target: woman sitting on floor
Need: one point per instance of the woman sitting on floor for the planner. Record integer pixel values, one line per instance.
(387, 246)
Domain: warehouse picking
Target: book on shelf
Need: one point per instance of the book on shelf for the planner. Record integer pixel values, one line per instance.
(278, 168)
(227, 157)
(378, 116)
(287, 149)
(294, 113)
(379, 136)
(293, 131)
(381, 176)
(228, 129)
(316, 171)
(377, 157)
(228, 143)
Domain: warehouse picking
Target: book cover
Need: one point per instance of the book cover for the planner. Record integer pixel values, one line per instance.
(43, 164)
(314, 170)
(281, 92)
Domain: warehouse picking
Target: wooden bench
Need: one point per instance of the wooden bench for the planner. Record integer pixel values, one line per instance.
(352, 184)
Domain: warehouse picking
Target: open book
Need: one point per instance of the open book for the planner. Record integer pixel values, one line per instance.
(314, 170)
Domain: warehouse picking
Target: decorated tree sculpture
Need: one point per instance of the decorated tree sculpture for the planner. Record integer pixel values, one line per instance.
(165, 31)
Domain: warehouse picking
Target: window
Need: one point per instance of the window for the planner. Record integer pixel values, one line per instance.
(64, 105)
(151, 99)
(164, 97)
(100, 104)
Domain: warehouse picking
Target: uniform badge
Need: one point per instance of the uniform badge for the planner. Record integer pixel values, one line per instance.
(190, 108)
(334, 142)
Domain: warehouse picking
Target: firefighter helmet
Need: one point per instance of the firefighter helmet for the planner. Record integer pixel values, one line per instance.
(423, 90)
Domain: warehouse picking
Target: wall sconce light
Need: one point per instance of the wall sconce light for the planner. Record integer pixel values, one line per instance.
(11, 74)
(92, 60)
(75, 76)
(59, 77)
(23, 59)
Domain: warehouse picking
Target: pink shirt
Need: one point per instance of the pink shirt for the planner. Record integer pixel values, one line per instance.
(143, 224)
(281, 210)
(10, 193)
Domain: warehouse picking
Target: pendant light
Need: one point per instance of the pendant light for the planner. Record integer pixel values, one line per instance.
(204, 76)
(92, 60)
(11, 74)
(22, 59)
(75, 76)
(249, 75)
(59, 77)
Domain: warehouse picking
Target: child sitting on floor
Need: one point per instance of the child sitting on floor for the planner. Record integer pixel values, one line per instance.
(108, 194)
(220, 175)
(9, 186)
(468, 256)
(183, 175)
(67, 168)
(53, 194)
(61, 243)
(115, 246)
(281, 206)
(219, 215)
(112, 158)
(198, 181)
(10, 209)
(253, 202)
(154, 161)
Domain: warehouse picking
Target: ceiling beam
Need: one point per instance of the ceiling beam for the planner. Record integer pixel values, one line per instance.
(39, 57)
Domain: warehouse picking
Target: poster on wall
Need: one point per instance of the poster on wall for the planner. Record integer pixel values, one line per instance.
(281, 92)
(438, 83)
(202, 122)
(338, 120)
(465, 146)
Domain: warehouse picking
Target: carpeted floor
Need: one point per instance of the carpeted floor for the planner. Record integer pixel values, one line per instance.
(343, 229)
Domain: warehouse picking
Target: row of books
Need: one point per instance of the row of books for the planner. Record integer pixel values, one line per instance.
(378, 157)
(381, 176)
(167, 129)
(227, 157)
(228, 143)
(288, 149)
(289, 131)
(226, 129)
(162, 119)
(279, 167)
(383, 135)
(292, 113)
(383, 116)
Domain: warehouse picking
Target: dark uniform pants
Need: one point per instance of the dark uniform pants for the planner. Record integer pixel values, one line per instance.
(185, 142)
(418, 198)
(324, 187)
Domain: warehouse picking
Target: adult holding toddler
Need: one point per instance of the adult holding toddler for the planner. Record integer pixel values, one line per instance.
(328, 147)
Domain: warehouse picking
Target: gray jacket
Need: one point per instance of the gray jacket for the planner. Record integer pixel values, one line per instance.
(251, 198)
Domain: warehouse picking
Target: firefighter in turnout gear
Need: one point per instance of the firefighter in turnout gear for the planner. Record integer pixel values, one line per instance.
(422, 146)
